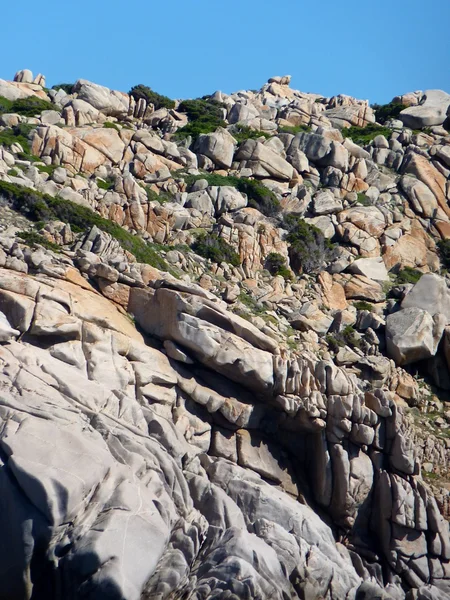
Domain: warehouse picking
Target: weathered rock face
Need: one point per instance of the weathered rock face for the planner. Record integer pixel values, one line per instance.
(191, 428)
(432, 110)
(413, 335)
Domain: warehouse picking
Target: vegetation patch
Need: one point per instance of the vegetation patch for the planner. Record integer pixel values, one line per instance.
(294, 129)
(204, 115)
(259, 196)
(110, 125)
(308, 247)
(46, 168)
(210, 245)
(162, 197)
(105, 184)
(408, 275)
(17, 135)
(66, 87)
(346, 337)
(43, 208)
(364, 135)
(276, 265)
(363, 305)
(32, 238)
(444, 252)
(158, 100)
(249, 302)
(241, 133)
(363, 199)
(27, 107)
(384, 112)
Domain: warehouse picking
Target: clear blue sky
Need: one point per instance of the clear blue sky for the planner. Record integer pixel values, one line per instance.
(185, 49)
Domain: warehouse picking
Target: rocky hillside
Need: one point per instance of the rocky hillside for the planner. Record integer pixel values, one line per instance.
(225, 344)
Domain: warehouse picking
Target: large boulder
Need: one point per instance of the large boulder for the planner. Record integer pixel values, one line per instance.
(263, 161)
(372, 268)
(431, 111)
(109, 102)
(421, 198)
(218, 146)
(430, 293)
(412, 334)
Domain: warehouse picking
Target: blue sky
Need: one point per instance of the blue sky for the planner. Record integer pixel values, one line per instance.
(185, 49)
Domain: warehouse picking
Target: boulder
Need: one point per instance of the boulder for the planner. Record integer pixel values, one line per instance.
(218, 146)
(109, 102)
(412, 334)
(372, 268)
(430, 293)
(263, 161)
(421, 198)
(325, 203)
(431, 111)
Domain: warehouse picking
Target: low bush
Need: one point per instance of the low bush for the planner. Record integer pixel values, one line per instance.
(276, 265)
(110, 125)
(42, 208)
(158, 100)
(346, 337)
(204, 115)
(363, 199)
(241, 133)
(308, 247)
(408, 275)
(17, 135)
(46, 168)
(66, 87)
(294, 129)
(364, 135)
(162, 197)
(259, 196)
(210, 245)
(363, 305)
(384, 112)
(27, 107)
(105, 184)
(32, 238)
(444, 252)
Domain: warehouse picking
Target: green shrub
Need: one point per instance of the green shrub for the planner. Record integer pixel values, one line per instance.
(210, 245)
(276, 265)
(241, 133)
(384, 112)
(204, 115)
(110, 125)
(350, 338)
(294, 129)
(248, 301)
(32, 238)
(105, 184)
(259, 196)
(158, 101)
(363, 199)
(43, 208)
(17, 135)
(364, 135)
(67, 87)
(408, 275)
(308, 247)
(13, 172)
(363, 305)
(346, 337)
(444, 252)
(28, 107)
(162, 197)
(46, 168)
